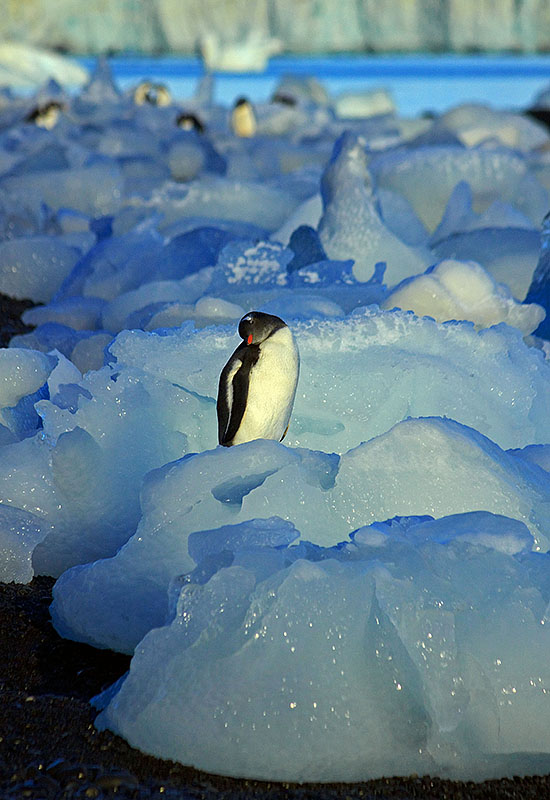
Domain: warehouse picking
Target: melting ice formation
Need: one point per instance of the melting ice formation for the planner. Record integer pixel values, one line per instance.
(370, 597)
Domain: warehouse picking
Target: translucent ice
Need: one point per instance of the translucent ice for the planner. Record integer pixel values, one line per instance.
(277, 606)
(303, 305)
(492, 173)
(432, 465)
(22, 372)
(538, 454)
(351, 226)
(20, 532)
(459, 215)
(89, 352)
(252, 264)
(94, 189)
(186, 290)
(384, 657)
(509, 254)
(307, 213)
(79, 313)
(489, 380)
(23, 382)
(35, 266)
(123, 597)
(90, 427)
(475, 123)
(50, 336)
(439, 467)
(223, 198)
(463, 290)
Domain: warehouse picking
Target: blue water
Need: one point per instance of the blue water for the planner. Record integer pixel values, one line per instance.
(417, 83)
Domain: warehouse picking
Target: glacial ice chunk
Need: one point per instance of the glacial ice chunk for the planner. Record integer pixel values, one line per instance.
(495, 173)
(302, 305)
(509, 254)
(245, 264)
(421, 466)
(538, 454)
(20, 532)
(216, 197)
(22, 372)
(62, 374)
(439, 467)
(351, 226)
(272, 532)
(460, 217)
(78, 313)
(95, 190)
(309, 212)
(368, 660)
(89, 352)
(463, 290)
(315, 676)
(475, 123)
(494, 531)
(88, 461)
(206, 311)
(206, 491)
(362, 374)
(35, 266)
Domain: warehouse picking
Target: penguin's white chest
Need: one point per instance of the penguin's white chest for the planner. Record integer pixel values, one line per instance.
(271, 389)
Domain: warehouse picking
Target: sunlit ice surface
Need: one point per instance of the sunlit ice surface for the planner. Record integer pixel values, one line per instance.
(370, 596)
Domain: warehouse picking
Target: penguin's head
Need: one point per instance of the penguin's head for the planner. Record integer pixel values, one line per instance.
(255, 327)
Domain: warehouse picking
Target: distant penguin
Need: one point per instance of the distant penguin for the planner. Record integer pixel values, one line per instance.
(284, 99)
(258, 383)
(189, 122)
(46, 115)
(155, 94)
(243, 118)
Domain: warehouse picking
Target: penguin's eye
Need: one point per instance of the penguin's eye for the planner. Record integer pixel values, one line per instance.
(249, 340)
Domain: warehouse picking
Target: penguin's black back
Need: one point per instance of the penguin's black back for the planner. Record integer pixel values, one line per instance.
(230, 418)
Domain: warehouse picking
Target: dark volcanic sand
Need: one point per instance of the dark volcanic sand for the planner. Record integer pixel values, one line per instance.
(49, 748)
(10, 318)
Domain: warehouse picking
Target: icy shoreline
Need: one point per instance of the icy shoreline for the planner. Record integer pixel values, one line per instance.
(371, 596)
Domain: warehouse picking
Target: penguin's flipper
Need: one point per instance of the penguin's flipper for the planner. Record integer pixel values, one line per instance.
(233, 391)
(225, 396)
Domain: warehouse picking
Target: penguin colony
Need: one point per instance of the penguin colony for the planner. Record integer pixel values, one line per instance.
(258, 384)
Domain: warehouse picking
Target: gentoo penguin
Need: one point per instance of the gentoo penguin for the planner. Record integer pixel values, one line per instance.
(243, 118)
(258, 383)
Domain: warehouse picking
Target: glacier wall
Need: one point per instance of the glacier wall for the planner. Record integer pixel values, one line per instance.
(182, 26)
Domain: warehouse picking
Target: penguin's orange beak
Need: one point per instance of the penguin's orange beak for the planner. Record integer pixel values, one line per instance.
(249, 340)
